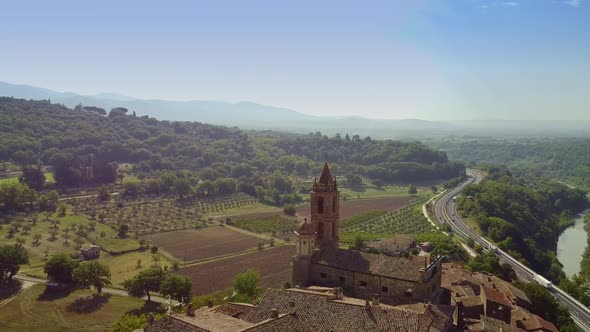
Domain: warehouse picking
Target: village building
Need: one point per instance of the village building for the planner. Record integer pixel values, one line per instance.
(311, 309)
(483, 301)
(320, 261)
(90, 252)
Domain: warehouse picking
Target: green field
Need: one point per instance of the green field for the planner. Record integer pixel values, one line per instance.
(373, 192)
(376, 224)
(49, 179)
(35, 309)
(273, 225)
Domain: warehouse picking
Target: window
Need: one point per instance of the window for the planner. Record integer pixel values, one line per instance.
(320, 205)
(384, 289)
(323, 275)
(320, 231)
(342, 280)
(363, 284)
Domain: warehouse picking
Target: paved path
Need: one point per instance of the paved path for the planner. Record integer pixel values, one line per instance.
(108, 290)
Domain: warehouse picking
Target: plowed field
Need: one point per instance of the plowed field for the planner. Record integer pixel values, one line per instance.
(274, 266)
(190, 245)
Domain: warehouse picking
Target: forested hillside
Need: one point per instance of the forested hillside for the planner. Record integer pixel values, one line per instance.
(524, 218)
(85, 145)
(566, 159)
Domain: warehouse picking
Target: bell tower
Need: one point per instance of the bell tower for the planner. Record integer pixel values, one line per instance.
(325, 209)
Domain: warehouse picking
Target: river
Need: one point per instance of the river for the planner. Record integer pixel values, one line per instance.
(571, 245)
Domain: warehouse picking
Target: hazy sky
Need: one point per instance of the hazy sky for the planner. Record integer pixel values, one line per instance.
(431, 59)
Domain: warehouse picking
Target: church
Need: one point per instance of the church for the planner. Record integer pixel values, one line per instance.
(319, 261)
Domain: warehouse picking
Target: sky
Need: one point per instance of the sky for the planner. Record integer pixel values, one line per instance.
(424, 59)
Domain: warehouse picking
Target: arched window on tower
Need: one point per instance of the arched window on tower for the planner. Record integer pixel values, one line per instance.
(320, 231)
(320, 205)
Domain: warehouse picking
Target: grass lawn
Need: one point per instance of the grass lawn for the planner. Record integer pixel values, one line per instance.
(387, 191)
(121, 266)
(49, 179)
(130, 179)
(38, 310)
(8, 180)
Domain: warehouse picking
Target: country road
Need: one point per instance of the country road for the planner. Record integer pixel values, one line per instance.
(113, 291)
(445, 211)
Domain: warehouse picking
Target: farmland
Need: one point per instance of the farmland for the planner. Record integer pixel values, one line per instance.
(274, 266)
(77, 230)
(274, 225)
(160, 214)
(374, 192)
(193, 245)
(350, 208)
(34, 309)
(407, 220)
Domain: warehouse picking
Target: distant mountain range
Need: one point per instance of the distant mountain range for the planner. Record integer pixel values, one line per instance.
(249, 115)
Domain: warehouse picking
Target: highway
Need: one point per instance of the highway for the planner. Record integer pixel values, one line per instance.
(445, 211)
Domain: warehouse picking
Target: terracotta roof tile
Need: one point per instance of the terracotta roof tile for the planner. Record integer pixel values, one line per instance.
(319, 313)
(395, 267)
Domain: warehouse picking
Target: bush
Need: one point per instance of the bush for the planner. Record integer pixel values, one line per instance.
(289, 210)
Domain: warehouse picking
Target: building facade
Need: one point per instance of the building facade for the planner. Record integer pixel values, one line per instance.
(319, 260)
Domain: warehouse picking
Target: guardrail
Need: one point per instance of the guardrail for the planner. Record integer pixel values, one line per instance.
(585, 325)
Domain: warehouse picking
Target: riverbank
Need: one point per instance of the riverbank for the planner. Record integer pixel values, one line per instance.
(572, 246)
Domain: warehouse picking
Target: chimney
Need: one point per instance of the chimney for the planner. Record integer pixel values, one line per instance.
(274, 314)
(190, 310)
(292, 308)
(210, 303)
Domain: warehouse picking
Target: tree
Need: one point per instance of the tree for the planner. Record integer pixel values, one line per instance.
(123, 229)
(92, 274)
(434, 189)
(246, 285)
(49, 202)
(177, 287)
(182, 187)
(60, 267)
(37, 238)
(145, 282)
(33, 177)
(62, 209)
(412, 190)
(11, 257)
(546, 306)
(289, 210)
(26, 229)
(359, 243)
(103, 194)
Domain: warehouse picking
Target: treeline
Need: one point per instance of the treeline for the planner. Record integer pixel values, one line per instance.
(84, 146)
(274, 189)
(18, 197)
(524, 218)
(566, 159)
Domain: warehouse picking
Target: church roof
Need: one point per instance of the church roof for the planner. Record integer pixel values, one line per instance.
(383, 265)
(319, 313)
(326, 176)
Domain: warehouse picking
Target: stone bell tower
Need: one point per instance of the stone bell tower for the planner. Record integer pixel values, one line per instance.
(325, 209)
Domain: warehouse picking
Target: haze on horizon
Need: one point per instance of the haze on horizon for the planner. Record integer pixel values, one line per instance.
(429, 59)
